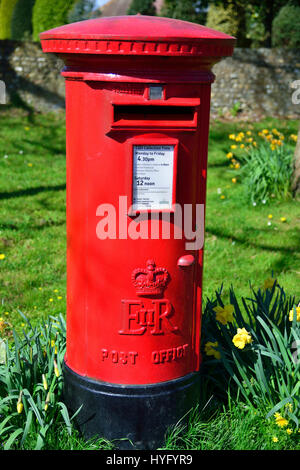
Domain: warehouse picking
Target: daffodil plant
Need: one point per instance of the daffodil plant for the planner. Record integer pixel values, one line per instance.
(250, 351)
(31, 385)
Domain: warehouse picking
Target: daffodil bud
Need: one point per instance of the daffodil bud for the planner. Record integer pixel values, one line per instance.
(47, 402)
(20, 407)
(19, 403)
(56, 371)
(45, 382)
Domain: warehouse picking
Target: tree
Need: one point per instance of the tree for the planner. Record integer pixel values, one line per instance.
(188, 10)
(6, 11)
(81, 10)
(266, 11)
(144, 7)
(49, 14)
(286, 31)
(230, 17)
(21, 22)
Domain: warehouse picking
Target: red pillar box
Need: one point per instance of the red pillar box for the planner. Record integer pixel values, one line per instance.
(137, 116)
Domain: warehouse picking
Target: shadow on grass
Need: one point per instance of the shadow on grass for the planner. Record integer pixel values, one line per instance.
(31, 191)
(287, 253)
(245, 241)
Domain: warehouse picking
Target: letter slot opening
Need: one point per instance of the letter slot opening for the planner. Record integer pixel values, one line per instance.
(131, 116)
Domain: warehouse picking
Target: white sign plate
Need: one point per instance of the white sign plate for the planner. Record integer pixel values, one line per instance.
(153, 167)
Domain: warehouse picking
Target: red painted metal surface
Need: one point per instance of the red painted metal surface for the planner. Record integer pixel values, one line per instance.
(133, 304)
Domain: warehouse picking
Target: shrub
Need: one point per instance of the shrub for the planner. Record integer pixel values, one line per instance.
(81, 10)
(48, 15)
(250, 351)
(144, 7)
(187, 10)
(285, 28)
(21, 22)
(223, 19)
(6, 12)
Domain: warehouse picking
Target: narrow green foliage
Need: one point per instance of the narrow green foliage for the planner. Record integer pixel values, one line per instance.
(266, 371)
(267, 173)
(30, 390)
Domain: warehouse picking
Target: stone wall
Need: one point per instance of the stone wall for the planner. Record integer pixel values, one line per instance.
(257, 82)
(31, 76)
(253, 83)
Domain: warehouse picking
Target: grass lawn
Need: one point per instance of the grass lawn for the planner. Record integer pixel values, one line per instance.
(240, 246)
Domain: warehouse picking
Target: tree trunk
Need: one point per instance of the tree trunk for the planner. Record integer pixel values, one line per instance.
(296, 174)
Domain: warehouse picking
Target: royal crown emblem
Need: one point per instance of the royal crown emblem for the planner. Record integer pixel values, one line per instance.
(150, 280)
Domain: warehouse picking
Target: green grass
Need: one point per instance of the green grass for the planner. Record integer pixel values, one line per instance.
(239, 245)
(234, 428)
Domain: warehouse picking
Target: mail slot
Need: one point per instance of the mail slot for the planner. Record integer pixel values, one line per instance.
(137, 120)
(154, 116)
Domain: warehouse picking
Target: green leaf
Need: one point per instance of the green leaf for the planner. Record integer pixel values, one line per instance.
(278, 406)
(12, 438)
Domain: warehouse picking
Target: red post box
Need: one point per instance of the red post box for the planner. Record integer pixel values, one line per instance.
(137, 118)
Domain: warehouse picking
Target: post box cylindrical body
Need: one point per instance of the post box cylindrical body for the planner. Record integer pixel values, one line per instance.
(137, 119)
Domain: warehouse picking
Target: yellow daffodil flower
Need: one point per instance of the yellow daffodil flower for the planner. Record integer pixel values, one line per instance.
(275, 439)
(231, 136)
(280, 420)
(210, 350)
(242, 338)
(224, 314)
(291, 314)
(2, 255)
(233, 180)
(229, 155)
(269, 283)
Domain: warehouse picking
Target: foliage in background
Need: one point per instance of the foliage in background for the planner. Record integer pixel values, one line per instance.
(187, 10)
(6, 12)
(21, 22)
(286, 31)
(48, 15)
(229, 19)
(144, 7)
(263, 11)
(81, 10)
(264, 164)
(251, 350)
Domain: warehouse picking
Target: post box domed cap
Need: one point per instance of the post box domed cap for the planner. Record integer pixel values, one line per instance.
(137, 35)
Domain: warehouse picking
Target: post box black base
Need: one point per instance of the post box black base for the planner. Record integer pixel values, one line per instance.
(132, 416)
